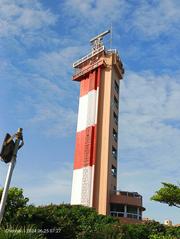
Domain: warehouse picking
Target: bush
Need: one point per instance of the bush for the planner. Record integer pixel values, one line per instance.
(160, 236)
(73, 222)
(15, 202)
(70, 221)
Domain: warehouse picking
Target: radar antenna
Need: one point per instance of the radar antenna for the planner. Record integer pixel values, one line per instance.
(97, 42)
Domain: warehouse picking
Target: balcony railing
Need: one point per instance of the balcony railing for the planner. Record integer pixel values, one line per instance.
(128, 194)
(127, 215)
(85, 58)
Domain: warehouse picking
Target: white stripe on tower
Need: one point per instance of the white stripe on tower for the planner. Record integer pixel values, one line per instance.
(85, 152)
(87, 110)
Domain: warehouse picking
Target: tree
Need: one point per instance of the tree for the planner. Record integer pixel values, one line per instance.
(169, 194)
(15, 202)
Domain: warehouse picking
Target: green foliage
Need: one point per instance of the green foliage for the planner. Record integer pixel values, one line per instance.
(169, 194)
(72, 222)
(173, 231)
(160, 236)
(132, 231)
(142, 231)
(149, 230)
(15, 202)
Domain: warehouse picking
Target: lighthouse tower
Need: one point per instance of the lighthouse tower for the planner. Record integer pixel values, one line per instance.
(95, 161)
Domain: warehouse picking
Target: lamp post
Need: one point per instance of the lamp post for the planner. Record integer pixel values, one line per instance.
(6, 153)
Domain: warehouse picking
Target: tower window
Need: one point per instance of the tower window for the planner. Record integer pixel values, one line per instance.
(116, 103)
(113, 171)
(115, 135)
(116, 86)
(115, 118)
(114, 152)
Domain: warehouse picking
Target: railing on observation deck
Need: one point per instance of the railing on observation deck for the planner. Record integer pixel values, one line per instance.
(128, 194)
(91, 54)
(126, 215)
(133, 198)
(85, 58)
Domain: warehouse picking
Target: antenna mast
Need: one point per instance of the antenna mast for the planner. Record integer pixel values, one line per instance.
(111, 32)
(97, 41)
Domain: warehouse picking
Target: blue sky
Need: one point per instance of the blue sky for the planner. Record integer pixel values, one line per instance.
(39, 40)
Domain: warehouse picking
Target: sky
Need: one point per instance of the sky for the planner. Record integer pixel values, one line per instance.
(39, 41)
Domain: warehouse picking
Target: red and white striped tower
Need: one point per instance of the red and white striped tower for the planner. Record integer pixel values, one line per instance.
(86, 135)
(95, 163)
(85, 150)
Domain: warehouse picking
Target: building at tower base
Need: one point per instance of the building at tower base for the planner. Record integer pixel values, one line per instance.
(127, 206)
(95, 163)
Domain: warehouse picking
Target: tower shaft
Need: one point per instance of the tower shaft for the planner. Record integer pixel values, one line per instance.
(95, 163)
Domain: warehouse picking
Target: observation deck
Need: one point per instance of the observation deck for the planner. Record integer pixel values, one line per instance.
(127, 206)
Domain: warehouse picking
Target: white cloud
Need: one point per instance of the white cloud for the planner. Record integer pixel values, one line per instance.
(147, 101)
(41, 102)
(150, 18)
(53, 119)
(149, 134)
(17, 17)
(44, 106)
(42, 88)
(96, 13)
(40, 78)
(156, 17)
(55, 63)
